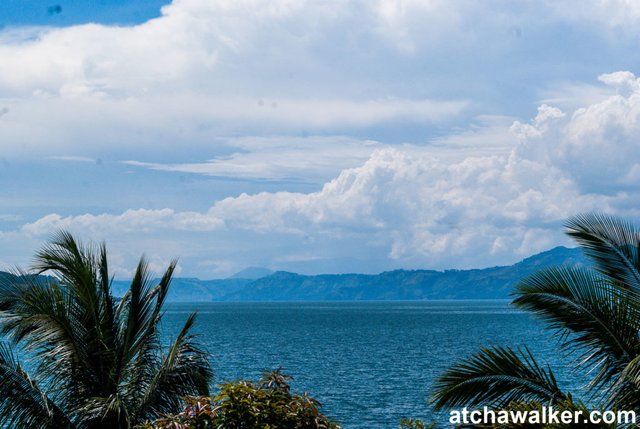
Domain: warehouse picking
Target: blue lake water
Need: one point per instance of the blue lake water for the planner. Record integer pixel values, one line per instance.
(369, 363)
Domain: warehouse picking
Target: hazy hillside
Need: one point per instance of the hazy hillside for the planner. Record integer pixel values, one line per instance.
(487, 283)
(191, 289)
(252, 273)
(496, 282)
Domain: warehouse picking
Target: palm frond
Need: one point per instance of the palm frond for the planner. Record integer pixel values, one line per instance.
(611, 243)
(184, 371)
(100, 360)
(22, 403)
(144, 357)
(599, 320)
(157, 296)
(496, 377)
(73, 264)
(106, 304)
(82, 274)
(40, 317)
(624, 392)
(104, 412)
(135, 313)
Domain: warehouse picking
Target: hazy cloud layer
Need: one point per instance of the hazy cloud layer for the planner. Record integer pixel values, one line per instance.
(278, 158)
(387, 133)
(206, 69)
(409, 207)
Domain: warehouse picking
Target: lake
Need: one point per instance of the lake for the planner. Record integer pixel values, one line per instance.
(369, 363)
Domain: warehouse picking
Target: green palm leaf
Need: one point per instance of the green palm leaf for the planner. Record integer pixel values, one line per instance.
(22, 403)
(98, 359)
(82, 276)
(183, 371)
(611, 243)
(141, 315)
(73, 265)
(600, 320)
(41, 318)
(496, 377)
(624, 390)
(596, 314)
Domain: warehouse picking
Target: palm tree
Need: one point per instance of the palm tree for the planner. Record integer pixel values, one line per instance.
(594, 310)
(89, 360)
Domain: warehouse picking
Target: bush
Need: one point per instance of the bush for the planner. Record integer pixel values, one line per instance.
(416, 424)
(267, 404)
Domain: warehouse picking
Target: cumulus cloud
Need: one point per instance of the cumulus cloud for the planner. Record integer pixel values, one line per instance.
(193, 38)
(562, 164)
(411, 208)
(131, 221)
(371, 100)
(597, 147)
(418, 210)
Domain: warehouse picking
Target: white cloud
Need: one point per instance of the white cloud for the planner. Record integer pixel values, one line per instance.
(412, 207)
(160, 124)
(597, 147)
(73, 158)
(327, 87)
(313, 158)
(199, 62)
(320, 158)
(207, 69)
(419, 210)
(132, 221)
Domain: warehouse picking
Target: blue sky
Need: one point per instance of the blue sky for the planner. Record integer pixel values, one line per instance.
(337, 136)
(73, 12)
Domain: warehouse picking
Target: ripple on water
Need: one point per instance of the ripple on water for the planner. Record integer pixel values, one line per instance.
(369, 363)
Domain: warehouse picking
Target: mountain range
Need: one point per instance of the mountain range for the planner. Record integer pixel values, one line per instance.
(257, 284)
(260, 284)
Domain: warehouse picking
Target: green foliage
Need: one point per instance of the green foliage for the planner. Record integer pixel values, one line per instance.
(595, 314)
(198, 413)
(415, 424)
(95, 362)
(494, 377)
(267, 404)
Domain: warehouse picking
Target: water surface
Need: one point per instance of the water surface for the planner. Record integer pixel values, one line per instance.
(369, 363)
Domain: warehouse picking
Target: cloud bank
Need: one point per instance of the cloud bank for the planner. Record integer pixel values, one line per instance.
(322, 136)
(206, 69)
(409, 207)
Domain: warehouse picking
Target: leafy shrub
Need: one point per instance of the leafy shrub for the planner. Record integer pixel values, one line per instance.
(266, 404)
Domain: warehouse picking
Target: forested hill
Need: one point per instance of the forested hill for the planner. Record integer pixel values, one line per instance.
(487, 283)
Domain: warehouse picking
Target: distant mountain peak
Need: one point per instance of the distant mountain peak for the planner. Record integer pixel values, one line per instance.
(252, 273)
(555, 255)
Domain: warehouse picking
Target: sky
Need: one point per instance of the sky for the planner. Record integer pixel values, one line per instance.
(315, 136)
